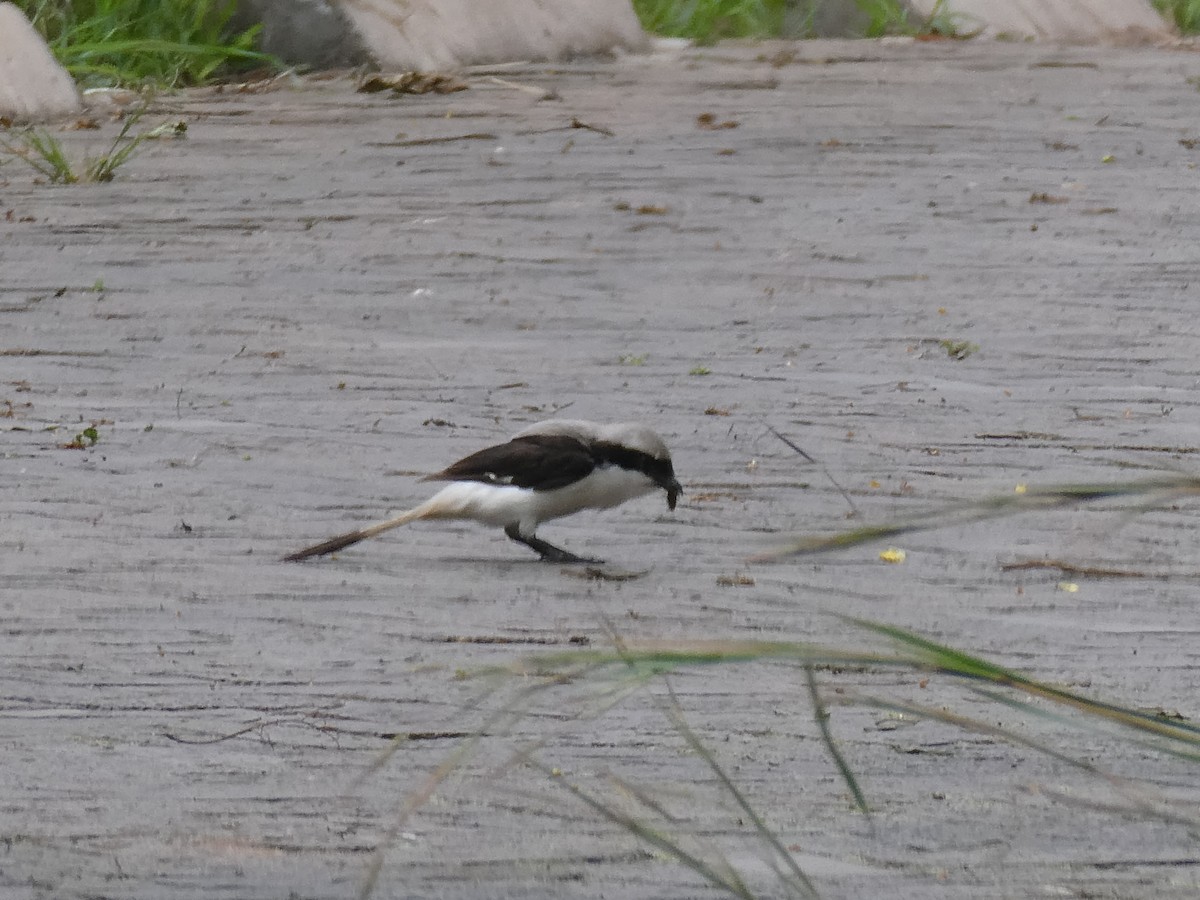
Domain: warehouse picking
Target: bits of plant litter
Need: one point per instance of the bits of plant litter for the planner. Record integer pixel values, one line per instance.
(413, 83)
(1021, 489)
(893, 555)
(1068, 587)
(738, 580)
(709, 122)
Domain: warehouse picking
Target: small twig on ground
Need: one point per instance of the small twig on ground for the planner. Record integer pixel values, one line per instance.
(841, 490)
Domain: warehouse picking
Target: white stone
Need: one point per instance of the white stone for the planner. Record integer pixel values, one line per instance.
(1075, 21)
(33, 86)
(434, 35)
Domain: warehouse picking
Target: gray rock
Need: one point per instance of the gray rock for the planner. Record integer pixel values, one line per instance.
(445, 34)
(1074, 21)
(824, 18)
(439, 34)
(304, 32)
(33, 86)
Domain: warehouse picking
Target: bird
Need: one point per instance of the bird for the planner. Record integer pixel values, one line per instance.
(546, 471)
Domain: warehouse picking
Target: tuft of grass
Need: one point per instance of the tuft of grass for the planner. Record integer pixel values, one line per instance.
(959, 350)
(706, 21)
(84, 439)
(893, 17)
(169, 43)
(1184, 13)
(46, 154)
(885, 17)
(586, 684)
(43, 152)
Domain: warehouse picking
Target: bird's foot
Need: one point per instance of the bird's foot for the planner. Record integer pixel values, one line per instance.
(548, 552)
(556, 555)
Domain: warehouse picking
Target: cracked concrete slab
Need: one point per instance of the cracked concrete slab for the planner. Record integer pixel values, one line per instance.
(278, 323)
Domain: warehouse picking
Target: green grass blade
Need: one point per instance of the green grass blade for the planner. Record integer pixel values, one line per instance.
(955, 662)
(801, 885)
(1149, 743)
(45, 154)
(821, 715)
(967, 723)
(1135, 794)
(662, 657)
(716, 859)
(654, 838)
(1052, 497)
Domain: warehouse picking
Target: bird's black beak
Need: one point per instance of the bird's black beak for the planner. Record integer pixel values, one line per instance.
(673, 489)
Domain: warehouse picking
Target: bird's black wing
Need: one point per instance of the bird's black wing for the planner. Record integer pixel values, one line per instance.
(541, 462)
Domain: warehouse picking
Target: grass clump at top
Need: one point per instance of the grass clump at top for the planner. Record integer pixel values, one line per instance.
(1184, 13)
(705, 21)
(167, 43)
(893, 17)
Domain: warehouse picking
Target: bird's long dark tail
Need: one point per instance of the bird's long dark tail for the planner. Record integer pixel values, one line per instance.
(353, 537)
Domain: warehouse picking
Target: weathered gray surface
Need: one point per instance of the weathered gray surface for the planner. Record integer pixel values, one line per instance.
(33, 86)
(293, 297)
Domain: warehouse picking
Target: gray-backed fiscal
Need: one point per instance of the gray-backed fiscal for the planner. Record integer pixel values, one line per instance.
(549, 470)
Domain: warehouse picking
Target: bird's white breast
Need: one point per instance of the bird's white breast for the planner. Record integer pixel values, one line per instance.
(503, 505)
(604, 488)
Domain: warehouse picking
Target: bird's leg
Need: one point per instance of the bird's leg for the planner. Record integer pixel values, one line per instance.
(548, 551)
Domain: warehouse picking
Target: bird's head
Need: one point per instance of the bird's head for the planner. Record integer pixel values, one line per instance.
(629, 444)
(656, 458)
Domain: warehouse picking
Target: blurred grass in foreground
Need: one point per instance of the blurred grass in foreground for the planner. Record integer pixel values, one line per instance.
(1152, 492)
(586, 684)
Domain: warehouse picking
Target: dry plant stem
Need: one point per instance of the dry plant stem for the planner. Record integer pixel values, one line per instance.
(806, 887)
(498, 722)
(1072, 569)
(1152, 742)
(841, 490)
(1139, 804)
(1056, 497)
(717, 860)
(940, 658)
(655, 839)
